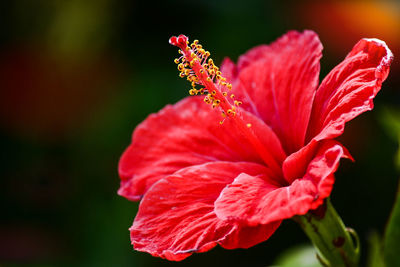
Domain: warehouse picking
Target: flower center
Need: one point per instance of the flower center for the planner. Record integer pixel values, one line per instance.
(200, 70)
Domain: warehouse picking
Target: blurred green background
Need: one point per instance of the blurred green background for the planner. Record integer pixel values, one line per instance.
(77, 76)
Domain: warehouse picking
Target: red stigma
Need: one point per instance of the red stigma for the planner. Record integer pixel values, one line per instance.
(181, 41)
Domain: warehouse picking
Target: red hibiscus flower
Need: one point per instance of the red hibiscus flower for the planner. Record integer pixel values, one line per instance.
(202, 183)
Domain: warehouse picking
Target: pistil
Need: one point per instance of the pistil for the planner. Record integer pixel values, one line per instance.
(199, 69)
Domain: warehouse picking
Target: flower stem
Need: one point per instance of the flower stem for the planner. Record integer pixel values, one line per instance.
(336, 245)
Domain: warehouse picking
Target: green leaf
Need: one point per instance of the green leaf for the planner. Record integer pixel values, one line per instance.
(392, 235)
(301, 256)
(375, 253)
(390, 119)
(391, 122)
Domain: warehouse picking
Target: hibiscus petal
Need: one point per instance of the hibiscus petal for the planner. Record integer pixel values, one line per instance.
(187, 134)
(278, 82)
(348, 90)
(229, 70)
(256, 200)
(176, 216)
(295, 165)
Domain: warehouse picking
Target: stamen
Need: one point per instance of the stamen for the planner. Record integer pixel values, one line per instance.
(199, 69)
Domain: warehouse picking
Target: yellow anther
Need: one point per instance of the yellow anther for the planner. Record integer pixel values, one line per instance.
(216, 103)
(207, 100)
(213, 92)
(182, 75)
(207, 54)
(229, 86)
(208, 79)
(248, 125)
(221, 122)
(231, 112)
(224, 93)
(237, 103)
(232, 96)
(176, 60)
(223, 114)
(187, 72)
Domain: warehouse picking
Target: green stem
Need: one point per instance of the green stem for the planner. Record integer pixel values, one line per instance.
(333, 241)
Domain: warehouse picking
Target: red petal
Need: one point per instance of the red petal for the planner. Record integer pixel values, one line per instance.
(296, 164)
(176, 216)
(258, 200)
(187, 134)
(349, 88)
(278, 82)
(229, 70)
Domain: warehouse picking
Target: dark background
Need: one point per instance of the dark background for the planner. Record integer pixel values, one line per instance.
(77, 76)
